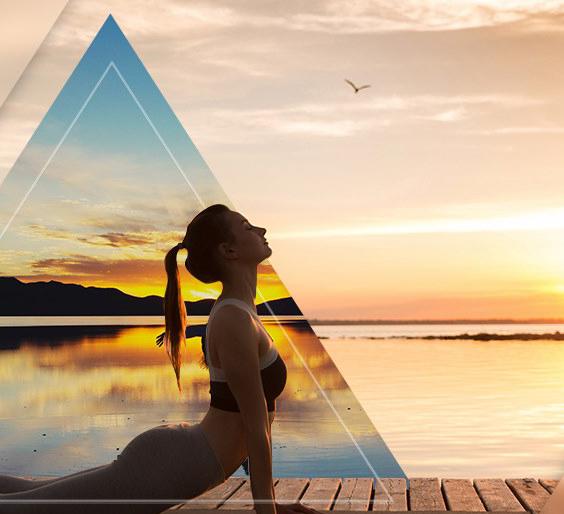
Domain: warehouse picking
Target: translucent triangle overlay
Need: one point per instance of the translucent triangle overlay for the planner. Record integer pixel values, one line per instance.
(103, 189)
(34, 29)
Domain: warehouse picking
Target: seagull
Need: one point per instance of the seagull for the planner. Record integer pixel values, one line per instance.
(356, 89)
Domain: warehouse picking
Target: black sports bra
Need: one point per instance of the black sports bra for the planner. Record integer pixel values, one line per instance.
(272, 369)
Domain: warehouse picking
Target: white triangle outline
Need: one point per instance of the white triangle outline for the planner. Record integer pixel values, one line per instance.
(56, 149)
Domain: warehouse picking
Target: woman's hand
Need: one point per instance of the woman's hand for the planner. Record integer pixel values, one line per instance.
(160, 339)
(294, 508)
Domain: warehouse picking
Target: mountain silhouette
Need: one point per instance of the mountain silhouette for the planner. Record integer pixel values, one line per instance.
(54, 298)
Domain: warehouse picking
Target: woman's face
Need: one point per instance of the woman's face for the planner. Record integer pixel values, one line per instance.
(250, 243)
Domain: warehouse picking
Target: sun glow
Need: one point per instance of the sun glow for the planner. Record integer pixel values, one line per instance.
(539, 220)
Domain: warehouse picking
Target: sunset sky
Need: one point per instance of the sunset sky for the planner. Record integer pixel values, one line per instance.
(435, 193)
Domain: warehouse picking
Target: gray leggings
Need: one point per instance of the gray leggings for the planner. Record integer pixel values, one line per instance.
(172, 461)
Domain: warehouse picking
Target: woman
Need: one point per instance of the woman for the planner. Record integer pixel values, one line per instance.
(176, 461)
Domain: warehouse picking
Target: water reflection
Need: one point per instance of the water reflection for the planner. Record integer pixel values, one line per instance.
(77, 394)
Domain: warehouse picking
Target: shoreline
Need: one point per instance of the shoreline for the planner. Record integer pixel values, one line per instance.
(540, 321)
(482, 336)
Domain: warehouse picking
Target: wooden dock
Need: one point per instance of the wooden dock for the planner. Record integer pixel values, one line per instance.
(425, 495)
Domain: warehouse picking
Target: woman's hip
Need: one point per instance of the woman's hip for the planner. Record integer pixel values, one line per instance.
(171, 459)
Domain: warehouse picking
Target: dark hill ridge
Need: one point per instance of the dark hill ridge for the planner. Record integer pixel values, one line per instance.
(54, 298)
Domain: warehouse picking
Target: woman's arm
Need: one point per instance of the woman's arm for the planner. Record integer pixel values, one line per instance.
(236, 341)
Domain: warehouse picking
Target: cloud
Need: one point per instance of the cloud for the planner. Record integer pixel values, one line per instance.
(346, 118)
(81, 268)
(24, 117)
(535, 220)
(333, 17)
(336, 128)
(457, 114)
(542, 130)
(78, 176)
(108, 239)
(420, 101)
(239, 65)
(201, 35)
(289, 61)
(369, 16)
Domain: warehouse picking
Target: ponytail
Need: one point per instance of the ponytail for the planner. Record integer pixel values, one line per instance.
(175, 313)
(204, 233)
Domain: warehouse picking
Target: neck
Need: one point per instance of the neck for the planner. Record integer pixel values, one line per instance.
(242, 286)
(249, 300)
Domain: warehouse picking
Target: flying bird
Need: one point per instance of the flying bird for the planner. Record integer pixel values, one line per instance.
(356, 89)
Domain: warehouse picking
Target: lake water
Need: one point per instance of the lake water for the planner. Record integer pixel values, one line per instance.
(447, 408)
(459, 408)
(74, 395)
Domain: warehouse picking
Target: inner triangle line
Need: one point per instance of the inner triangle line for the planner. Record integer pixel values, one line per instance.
(202, 205)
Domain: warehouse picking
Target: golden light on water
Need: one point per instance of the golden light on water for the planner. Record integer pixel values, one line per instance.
(97, 372)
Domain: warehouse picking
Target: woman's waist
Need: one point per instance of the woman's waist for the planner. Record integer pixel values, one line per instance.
(225, 433)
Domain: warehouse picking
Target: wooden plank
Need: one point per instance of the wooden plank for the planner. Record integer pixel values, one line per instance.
(321, 492)
(216, 496)
(290, 490)
(390, 494)
(529, 492)
(425, 494)
(460, 495)
(354, 494)
(496, 496)
(549, 483)
(242, 498)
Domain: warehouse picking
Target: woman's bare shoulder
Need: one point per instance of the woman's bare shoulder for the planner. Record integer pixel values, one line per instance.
(233, 312)
(231, 320)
